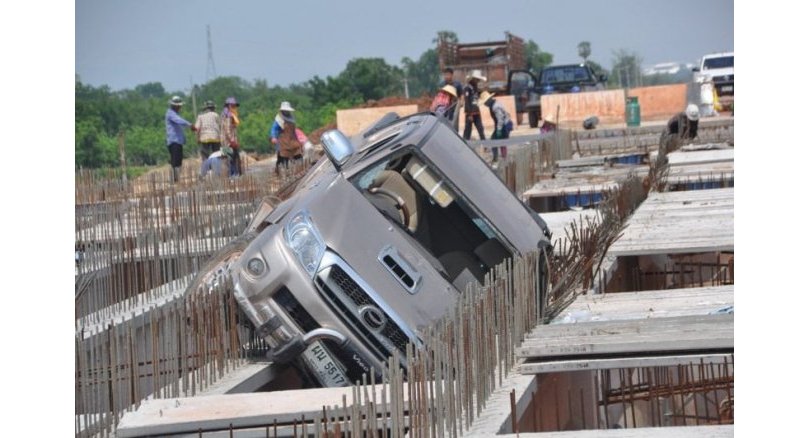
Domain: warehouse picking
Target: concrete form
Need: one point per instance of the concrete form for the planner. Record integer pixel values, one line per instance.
(219, 412)
(680, 222)
(720, 431)
(645, 336)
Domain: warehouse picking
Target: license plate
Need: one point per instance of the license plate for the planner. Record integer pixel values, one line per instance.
(322, 364)
(727, 88)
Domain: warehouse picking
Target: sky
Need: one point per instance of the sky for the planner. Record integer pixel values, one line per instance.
(125, 43)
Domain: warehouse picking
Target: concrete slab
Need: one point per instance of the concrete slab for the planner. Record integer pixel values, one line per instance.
(218, 412)
(680, 222)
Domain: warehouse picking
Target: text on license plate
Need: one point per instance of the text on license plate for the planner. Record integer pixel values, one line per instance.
(322, 364)
(727, 88)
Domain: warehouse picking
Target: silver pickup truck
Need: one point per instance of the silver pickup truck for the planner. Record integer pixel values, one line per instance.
(373, 246)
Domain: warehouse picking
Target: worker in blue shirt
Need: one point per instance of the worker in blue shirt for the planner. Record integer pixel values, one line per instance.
(175, 136)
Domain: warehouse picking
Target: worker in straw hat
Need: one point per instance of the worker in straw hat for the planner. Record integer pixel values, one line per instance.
(175, 136)
(208, 134)
(444, 103)
(472, 113)
(289, 141)
(229, 125)
(500, 117)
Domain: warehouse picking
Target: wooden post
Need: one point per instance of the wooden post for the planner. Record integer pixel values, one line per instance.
(122, 154)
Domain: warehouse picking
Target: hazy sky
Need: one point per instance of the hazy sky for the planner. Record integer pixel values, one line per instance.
(124, 43)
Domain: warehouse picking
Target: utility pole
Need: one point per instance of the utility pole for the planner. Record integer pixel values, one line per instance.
(405, 80)
(210, 68)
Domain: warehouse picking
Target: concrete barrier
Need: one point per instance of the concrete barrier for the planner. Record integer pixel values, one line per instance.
(354, 121)
(486, 118)
(608, 105)
(660, 101)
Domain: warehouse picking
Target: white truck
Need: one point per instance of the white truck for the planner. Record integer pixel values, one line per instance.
(718, 69)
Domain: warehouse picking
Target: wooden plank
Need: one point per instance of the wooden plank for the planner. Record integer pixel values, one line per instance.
(354, 121)
(618, 362)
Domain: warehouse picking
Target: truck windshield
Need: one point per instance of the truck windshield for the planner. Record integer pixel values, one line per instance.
(721, 62)
(572, 73)
(407, 189)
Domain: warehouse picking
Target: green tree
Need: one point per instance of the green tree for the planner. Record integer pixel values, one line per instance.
(584, 50)
(536, 59)
(423, 75)
(372, 78)
(626, 70)
(447, 36)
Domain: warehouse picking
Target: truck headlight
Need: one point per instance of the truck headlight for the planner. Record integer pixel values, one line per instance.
(305, 241)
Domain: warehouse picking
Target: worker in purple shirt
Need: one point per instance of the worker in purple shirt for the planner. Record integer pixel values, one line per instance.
(175, 136)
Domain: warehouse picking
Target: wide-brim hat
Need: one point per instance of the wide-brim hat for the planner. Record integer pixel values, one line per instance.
(450, 89)
(210, 104)
(476, 74)
(176, 101)
(231, 101)
(285, 106)
(549, 119)
(485, 96)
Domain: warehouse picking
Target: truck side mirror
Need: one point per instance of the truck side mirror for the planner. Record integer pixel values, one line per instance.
(695, 69)
(337, 147)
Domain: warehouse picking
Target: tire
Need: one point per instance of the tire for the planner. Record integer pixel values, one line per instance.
(218, 264)
(533, 119)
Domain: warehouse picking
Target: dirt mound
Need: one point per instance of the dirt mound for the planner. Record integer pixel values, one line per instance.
(422, 103)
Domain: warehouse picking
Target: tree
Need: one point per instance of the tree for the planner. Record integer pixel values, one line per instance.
(372, 78)
(448, 36)
(584, 50)
(150, 89)
(626, 71)
(423, 74)
(536, 59)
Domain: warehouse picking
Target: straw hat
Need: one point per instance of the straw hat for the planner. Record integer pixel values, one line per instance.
(285, 106)
(176, 101)
(485, 96)
(449, 89)
(476, 74)
(549, 119)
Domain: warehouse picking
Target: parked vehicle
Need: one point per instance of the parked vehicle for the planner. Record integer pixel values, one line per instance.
(375, 244)
(719, 69)
(527, 88)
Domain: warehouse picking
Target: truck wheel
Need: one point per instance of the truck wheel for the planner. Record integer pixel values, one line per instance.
(215, 270)
(533, 119)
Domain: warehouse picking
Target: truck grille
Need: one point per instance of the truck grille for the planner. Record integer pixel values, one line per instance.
(285, 299)
(358, 297)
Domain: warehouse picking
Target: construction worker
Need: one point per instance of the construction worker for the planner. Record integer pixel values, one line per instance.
(503, 123)
(444, 104)
(208, 132)
(175, 136)
(447, 76)
(288, 140)
(682, 126)
(229, 124)
(472, 113)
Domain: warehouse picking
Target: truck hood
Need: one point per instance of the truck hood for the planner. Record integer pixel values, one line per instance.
(353, 229)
